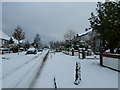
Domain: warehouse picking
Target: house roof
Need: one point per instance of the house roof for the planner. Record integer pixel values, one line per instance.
(16, 41)
(85, 33)
(4, 36)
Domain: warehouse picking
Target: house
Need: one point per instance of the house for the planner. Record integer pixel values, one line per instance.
(83, 37)
(4, 40)
(89, 38)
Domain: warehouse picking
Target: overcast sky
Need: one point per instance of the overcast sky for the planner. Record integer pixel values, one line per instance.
(49, 19)
(0, 16)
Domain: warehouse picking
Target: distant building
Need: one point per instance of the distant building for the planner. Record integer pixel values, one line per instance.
(4, 40)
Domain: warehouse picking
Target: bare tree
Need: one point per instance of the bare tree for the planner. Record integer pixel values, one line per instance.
(51, 44)
(57, 44)
(69, 35)
(19, 35)
(37, 41)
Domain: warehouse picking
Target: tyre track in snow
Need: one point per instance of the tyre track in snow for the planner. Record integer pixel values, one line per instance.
(33, 68)
(20, 66)
(38, 71)
(29, 69)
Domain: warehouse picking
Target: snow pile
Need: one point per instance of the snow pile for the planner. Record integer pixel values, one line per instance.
(93, 57)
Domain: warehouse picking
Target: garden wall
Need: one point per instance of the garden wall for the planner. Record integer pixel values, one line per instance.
(111, 61)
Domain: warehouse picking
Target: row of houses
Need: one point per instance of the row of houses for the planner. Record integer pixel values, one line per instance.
(6, 46)
(4, 43)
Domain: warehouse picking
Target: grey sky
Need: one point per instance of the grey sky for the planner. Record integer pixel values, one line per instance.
(0, 16)
(51, 20)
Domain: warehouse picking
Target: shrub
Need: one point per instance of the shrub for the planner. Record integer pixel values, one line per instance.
(13, 47)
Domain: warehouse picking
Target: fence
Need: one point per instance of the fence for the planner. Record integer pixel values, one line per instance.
(80, 53)
(111, 61)
(4, 50)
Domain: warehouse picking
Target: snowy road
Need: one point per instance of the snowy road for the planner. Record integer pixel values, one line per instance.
(20, 65)
(19, 72)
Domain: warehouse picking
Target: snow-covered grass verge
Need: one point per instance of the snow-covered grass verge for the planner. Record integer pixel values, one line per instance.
(0, 71)
(93, 57)
(62, 67)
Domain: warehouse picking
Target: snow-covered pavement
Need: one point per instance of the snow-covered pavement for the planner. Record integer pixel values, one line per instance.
(62, 67)
(18, 71)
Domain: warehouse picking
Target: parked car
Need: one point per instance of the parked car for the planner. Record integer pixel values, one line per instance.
(31, 51)
(40, 50)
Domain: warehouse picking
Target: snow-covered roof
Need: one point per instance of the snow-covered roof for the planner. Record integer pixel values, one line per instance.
(82, 41)
(85, 32)
(15, 41)
(4, 36)
(31, 49)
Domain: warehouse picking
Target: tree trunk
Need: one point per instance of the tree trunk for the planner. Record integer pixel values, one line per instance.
(111, 50)
(101, 58)
(118, 50)
(18, 46)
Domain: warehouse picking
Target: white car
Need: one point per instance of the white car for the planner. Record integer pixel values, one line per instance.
(31, 51)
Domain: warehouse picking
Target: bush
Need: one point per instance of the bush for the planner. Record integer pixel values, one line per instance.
(76, 47)
(13, 47)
